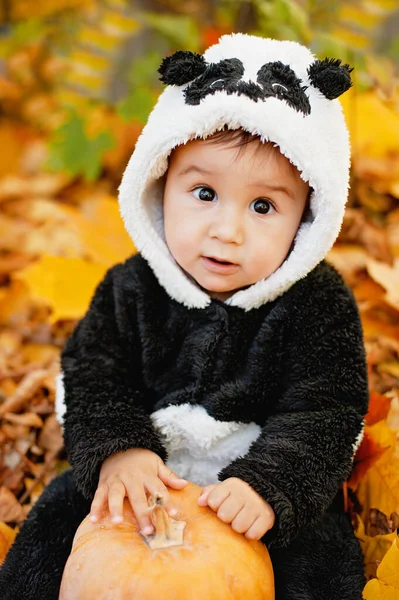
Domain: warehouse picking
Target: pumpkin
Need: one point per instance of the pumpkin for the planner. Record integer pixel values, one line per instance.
(194, 556)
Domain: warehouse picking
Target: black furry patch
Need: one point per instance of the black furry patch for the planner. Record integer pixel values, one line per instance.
(280, 81)
(223, 75)
(273, 80)
(330, 77)
(181, 67)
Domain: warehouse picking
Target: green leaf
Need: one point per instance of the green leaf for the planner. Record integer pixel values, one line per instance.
(72, 150)
(137, 105)
(144, 70)
(180, 30)
(21, 34)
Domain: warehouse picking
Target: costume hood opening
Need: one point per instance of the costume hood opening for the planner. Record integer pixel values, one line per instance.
(275, 89)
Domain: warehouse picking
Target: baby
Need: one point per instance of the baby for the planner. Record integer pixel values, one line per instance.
(227, 352)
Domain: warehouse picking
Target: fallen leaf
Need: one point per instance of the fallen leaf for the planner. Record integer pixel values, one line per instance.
(10, 508)
(27, 418)
(66, 285)
(386, 586)
(378, 407)
(373, 548)
(388, 277)
(379, 486)
(7, 536)
(367, 454)
(375, 130)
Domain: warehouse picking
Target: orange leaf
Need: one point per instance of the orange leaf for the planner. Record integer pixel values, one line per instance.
(367, 454)
(7, 536)
(379, 486)
(211, 35)
(378, 408)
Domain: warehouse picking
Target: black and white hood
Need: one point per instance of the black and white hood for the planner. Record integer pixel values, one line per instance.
(275, 89)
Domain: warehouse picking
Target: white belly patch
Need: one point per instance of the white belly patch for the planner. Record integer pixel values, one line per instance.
(198, 445)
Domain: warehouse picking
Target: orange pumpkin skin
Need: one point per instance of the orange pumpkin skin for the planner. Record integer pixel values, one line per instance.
(114, 562)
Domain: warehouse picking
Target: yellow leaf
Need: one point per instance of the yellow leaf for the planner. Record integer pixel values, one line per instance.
(361, 16)
(7, 536)
(373, 548)
(377, 590)
(90, 61)
(352, 38)
(94, 37)
(388, 570)
(374, 127)
(389, 367)
(386, 586)
(101, 231)
(66, 285)
(118, 23)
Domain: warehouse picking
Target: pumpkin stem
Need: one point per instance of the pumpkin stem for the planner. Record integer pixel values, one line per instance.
(168, 531)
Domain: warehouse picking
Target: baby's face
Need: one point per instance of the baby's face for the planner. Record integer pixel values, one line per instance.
(230, 218)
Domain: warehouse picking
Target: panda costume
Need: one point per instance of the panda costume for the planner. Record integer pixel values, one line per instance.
(269, 386)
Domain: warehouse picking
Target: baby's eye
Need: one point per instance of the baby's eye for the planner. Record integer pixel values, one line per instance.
(262, 206)
(204, 193)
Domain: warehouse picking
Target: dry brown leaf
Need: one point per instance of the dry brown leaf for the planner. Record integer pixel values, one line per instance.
(41, 185)
(388, 277)
(357, 229)
(50, 437)
(27, 418)
(393, 231)
(10, 509)
(29, 385)
(349, 259)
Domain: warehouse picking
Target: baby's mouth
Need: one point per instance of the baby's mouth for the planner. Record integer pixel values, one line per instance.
(219, 261)
(217, 265)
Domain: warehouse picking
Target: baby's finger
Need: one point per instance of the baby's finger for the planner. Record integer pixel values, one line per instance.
(139, 504)
(168, 477)
(257, 529)
(99, 501)
(243, 520)
(217, 496)
(116, 494)
(203, 499)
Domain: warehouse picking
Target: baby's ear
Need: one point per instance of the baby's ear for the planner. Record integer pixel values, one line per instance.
(181, 67)
(330, 77)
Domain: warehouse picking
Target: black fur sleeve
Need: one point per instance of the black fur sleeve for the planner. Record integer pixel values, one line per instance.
(305, 449)
(105, 405)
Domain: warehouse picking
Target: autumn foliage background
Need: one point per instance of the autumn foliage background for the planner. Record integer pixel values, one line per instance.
(77, 81)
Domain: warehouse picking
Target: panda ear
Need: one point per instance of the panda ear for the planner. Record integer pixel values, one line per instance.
(330, 77)
(181, 67)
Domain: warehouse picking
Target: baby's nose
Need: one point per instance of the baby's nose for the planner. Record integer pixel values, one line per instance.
(227, 226)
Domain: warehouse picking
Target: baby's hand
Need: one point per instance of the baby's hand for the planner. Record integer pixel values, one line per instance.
(134, 473)
(235, 502)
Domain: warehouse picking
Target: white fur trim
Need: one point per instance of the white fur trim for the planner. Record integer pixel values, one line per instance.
(317, 144)
(198, 445)
(60, 406)
(358, 441)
